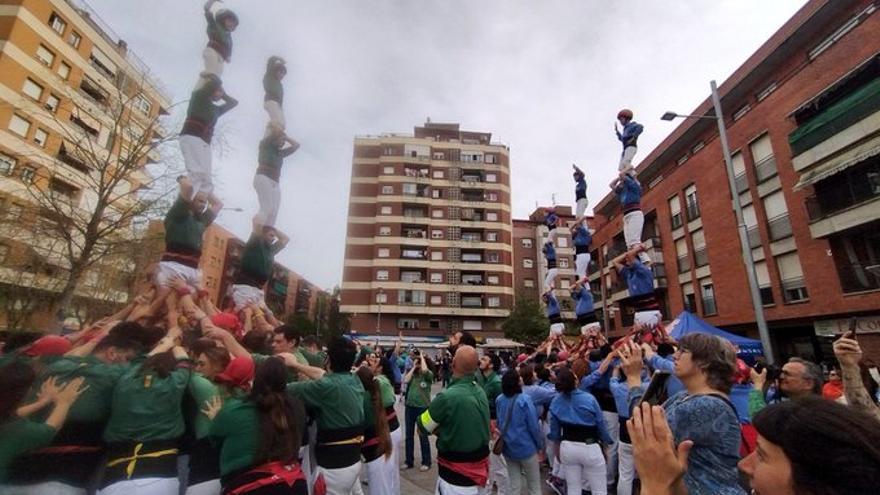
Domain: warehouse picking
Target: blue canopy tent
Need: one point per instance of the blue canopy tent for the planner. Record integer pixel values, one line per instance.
(686, 323)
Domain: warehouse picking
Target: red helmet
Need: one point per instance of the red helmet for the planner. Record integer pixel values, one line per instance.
(625, 114)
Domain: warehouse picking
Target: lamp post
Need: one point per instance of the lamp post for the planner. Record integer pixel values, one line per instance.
(741, 225)
(379, 297)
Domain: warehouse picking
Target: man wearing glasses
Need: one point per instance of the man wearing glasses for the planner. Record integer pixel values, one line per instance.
(799, 378)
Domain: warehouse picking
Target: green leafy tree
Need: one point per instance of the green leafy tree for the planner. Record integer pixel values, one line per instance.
(526, 323)
(302, 323)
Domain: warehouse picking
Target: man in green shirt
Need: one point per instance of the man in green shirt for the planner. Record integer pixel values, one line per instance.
(255, 270)
(418, 382)
(273, 101)
(335, 400)
(491, 383)
(460, 417)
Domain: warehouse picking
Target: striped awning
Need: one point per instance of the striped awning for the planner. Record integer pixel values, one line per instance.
(840, 163)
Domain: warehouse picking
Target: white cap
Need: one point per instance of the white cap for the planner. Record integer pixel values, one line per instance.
(590, 326)
(557, 328)
(649, 319)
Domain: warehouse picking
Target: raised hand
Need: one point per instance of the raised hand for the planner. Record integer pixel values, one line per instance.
(660, 464)
(212, 407)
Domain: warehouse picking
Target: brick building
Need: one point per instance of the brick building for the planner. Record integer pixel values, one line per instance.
(428, 247)
(803, 120)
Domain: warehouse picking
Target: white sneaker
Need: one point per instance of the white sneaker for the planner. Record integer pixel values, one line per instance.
(424, 468)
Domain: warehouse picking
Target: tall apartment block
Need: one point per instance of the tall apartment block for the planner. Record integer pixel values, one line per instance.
(62, 71)
(429, 244)
(803, 121)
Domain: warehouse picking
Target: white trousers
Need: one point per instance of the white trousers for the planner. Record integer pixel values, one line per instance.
(626, 469)
(276, 115)
(53, 487)
(143, 486)
(582, 462)
(613, 424)
(396, 438)
(197, 160)
(170, 269)
(626, 158)
(581, 207)
(269, 196)
(446, 488)
(497, 473)
(581, 262)
(550, 278)
(243, 295)
(552, 235)
(214, 63)
(204, 488)
(381, 474)
(340, 481)
(633, 224)
(527, 468)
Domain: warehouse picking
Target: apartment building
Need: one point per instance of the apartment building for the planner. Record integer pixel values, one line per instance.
(429, 240)
(803, 121)
(66, 80)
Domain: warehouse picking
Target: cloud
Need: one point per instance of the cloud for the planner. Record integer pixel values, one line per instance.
(547, 78)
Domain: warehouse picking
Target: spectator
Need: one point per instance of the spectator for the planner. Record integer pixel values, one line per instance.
(418, 382)
(799, 378)
(523, 438)
(855, 386)
(703, 413)
(377, 450)
(833, 388)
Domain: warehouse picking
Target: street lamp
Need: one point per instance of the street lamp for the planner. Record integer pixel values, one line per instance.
(379, 297)
(737, 208)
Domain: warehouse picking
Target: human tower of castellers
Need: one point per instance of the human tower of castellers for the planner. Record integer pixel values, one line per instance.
(174, 395)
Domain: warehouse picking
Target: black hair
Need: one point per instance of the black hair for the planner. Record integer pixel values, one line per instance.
(341, 353)
(543, 374)
(467, 339)
(290, 332)
(119, 342)
(833, 449)
(16, 379)
(281, 416)
(162, 364)
(148, 336)
(199, 345)
(566, 382)
(309, 340)
(19, 340)
(256, 342)
(527, 373)
(665, 349)
(510, 383)
(380, 421)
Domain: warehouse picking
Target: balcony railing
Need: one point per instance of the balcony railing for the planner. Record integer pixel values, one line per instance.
(816, 210)
(766, 168)
(857, 277)
(780, 227)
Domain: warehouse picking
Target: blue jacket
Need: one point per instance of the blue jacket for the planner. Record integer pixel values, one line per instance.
(673, 384)
(541, 396)
(629, 191)
(549, 251)
(630, 132)
(582, 236)
(523, 437)
(580, 190)
(551, 219)
(639, 278)
(577, 408)
(552, 306)
(620, 391)
(583, 301)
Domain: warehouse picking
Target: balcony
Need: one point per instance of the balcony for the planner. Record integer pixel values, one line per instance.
(471, 301)
(856, 277)
(780, 227)
(72, 161)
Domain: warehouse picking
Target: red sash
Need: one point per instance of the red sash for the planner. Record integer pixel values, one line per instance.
(275, 473)
(477, 471)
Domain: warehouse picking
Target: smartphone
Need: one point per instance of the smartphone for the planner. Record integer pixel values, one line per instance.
(853, 328)
(656, 393)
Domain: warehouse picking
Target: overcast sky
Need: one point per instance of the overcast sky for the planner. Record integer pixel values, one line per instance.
(545, 77)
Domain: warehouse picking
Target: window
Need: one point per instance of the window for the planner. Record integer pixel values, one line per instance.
(411, 297)
(675, 211)
(45, 56)
(19, 125)
(491, 196)
(57, 23)
(491, 217)
(682, 159)
(528, 263)
(563, 262)
(382, 275)
(490, 159)
(436, 301)
(493, 301)
(412, 253)
(7, 164)
(777, 216)
(693, 207)
(848, 26)
(388, 170)
(28, 174)
(436, 278)
(762, 154)
(766, 91)
(385, 210)
(387, 189)
(493, 279)
(739, 173)
(104, 64)
(701, 257)
(491, 236)
(384, 230)
(741, 112)
(562, 242)
(791, 274)
(493, 257)
(381, 298)
(751, 221)
(438, 174)
(40, 137)
(74, 39)
(383, 253)
(529, 282)
(436, 234)
(763, 276)
(437, 213)
(409, 189)
(690, 301)
(142, 104)
(410, 276)
(388, 151)
(52, 102)
(491, 178)
(63, 70)
(436, 255)
(697, 147)
(708, 295)
(32, 89)
(527, 243)
(407, 323)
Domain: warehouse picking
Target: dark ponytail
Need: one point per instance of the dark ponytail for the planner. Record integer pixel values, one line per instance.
(380, 422)
(281, 417)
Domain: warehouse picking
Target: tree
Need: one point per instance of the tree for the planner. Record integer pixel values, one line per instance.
(526, 323)
(302, 323)
(338, 323)
(105, 182)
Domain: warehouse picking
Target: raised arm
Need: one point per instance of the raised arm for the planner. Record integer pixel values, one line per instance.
(228, 104)
(849, 354)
